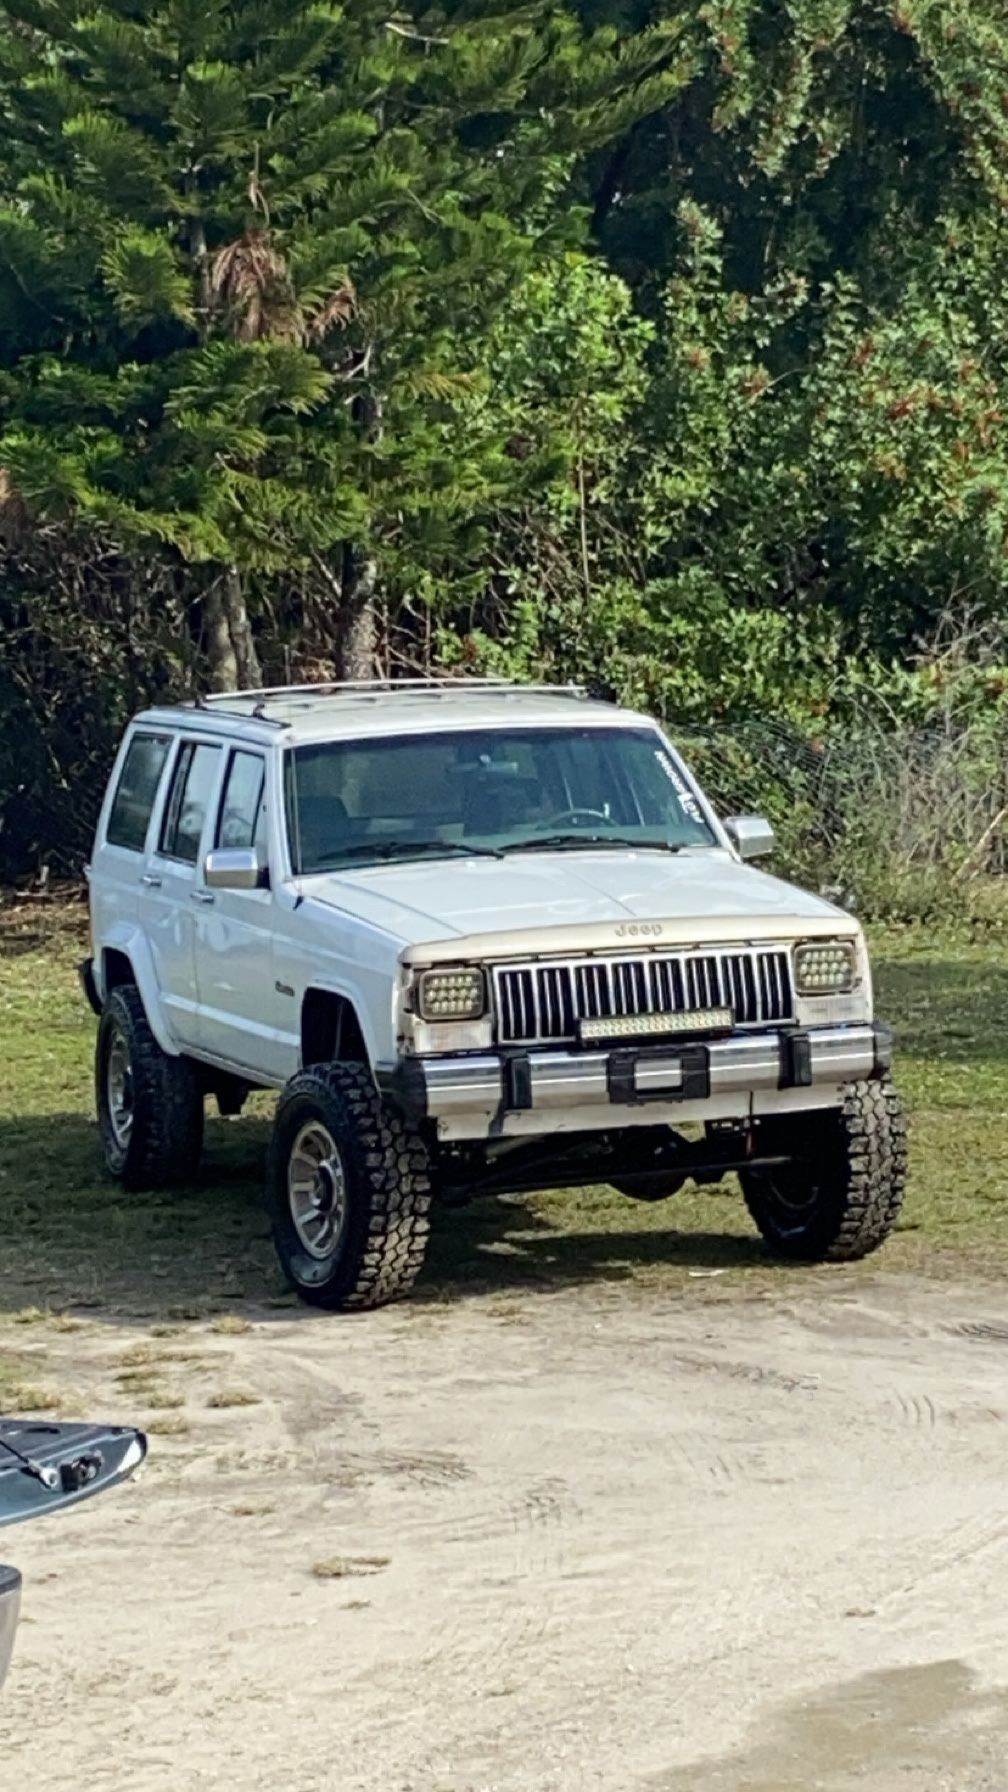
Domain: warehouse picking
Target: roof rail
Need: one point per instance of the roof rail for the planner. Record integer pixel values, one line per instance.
(372, 687)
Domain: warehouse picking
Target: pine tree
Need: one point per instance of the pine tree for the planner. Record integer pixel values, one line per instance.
(249, 253)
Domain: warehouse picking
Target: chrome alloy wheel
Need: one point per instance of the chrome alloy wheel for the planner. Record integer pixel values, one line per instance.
(317, 1190)
(119, 1089)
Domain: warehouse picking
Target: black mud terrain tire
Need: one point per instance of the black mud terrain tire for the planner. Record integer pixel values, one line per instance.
(348, 1190)
(150, 1106)
(841, 1195)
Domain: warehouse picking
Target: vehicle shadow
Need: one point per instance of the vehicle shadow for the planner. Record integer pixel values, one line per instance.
(502, 1244)
(74, 1242)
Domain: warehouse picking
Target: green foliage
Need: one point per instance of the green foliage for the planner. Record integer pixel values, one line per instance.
(667, 352)
(144, 278)
(352, 196)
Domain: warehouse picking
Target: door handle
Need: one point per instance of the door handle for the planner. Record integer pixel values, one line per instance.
(152, 881)
(201, 896)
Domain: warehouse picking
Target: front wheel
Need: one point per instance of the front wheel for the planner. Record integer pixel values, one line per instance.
(840, 1195)
(348, 1190)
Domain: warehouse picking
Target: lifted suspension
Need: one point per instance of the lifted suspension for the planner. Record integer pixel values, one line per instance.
(522, 1166)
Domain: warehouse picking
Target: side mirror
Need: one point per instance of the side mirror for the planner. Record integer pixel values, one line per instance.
(751, 835)
(235, 868)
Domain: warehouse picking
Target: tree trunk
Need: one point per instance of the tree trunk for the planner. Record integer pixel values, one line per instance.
(357, 640)
(221, 657)
(247, 667)
(357, 643)
(201, 264)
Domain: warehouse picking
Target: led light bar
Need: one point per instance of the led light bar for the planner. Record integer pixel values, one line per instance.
(632, 1026)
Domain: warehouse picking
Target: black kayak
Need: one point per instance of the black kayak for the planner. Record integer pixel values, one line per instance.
(46, 1467)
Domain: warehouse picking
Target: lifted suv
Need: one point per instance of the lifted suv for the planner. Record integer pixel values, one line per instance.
(483, 938)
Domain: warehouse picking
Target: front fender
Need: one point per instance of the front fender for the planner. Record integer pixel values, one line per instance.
(355, 996)
(133, 945)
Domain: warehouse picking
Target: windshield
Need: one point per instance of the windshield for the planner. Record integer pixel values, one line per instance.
(487, 791)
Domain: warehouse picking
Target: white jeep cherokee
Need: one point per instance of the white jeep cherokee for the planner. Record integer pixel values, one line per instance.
(483, 937)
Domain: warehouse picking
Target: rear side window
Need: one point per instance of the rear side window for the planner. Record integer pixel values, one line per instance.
(136, 791)
(192, 788)
(243, 814)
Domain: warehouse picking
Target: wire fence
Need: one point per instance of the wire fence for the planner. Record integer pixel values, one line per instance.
(866, 806)
(868, 801)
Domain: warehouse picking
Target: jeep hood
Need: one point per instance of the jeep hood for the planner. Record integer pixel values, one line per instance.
(593, 899)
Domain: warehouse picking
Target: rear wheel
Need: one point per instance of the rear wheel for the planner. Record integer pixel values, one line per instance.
(150, 1106)
(840, 1195)
(348, 1190)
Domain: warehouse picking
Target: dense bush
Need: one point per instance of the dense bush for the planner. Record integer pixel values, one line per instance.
(670, 353)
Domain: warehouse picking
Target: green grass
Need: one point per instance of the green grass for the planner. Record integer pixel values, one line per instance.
(74, 1243)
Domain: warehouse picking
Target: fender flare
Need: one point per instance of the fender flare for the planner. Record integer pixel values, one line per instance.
(131, 942)
(331, 986)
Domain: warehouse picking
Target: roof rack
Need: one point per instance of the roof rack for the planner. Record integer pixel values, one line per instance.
(257, 700)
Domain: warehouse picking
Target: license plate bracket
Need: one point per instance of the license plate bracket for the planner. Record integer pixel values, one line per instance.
(634, 1075)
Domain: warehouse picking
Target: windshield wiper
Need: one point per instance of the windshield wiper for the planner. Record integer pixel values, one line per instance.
(381, 851)
(558, 842)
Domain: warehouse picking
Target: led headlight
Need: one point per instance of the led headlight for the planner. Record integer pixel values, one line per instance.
(826, 968)
(452, 995)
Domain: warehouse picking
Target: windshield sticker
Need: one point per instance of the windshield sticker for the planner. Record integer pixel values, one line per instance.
(687, 801)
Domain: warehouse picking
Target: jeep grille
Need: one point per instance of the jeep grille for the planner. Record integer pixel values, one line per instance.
(537, 1003)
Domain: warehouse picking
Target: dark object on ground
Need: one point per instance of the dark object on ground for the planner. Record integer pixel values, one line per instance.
(45, 1467)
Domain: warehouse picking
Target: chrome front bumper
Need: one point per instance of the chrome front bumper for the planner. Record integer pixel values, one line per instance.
(491, 1095)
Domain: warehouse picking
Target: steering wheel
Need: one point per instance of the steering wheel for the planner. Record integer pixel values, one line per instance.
(575, 816)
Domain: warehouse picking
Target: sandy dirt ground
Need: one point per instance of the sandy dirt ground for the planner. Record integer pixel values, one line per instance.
(569, 1540)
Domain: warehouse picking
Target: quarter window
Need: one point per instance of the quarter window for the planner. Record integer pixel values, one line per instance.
(192, 788)
(135, 793)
